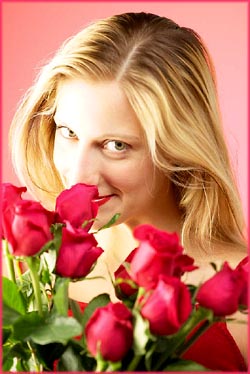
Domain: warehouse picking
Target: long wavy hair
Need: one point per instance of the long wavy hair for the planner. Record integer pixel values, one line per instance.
(168, 77)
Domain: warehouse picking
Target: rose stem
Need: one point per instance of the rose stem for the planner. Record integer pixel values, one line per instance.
(133, 364)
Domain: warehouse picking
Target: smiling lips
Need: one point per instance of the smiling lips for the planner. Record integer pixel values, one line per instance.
(102, 199)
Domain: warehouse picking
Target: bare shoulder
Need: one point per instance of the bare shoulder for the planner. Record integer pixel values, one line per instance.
(233, 254)
(216, 254)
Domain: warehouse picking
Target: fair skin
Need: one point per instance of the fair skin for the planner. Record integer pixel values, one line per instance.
(100, 141)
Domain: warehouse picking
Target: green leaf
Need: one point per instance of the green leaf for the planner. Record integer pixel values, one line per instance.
(7, 360)
(96, 302)
(9, 316)
(214, 266)
(76, 310)
(26, 325)
(76, 356)
(185, 365)
(111, 222)
(57, 232)
(7, 364)
(45, 276)
(6, 334)
(47, 265)
(61, 296)
(11, 351)
(57, 329)
(12, 296)
(71, 360)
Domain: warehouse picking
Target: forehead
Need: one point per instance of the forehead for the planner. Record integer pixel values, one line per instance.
(94, 103)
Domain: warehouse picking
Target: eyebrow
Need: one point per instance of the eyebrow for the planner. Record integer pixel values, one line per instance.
(108, 135)
(121, 135)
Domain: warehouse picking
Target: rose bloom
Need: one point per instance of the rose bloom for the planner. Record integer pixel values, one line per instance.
(10, 196)
(243, 270)
(167, 307)
(27, 227)
(222, 292)
(159, 253)
(77, 205)
(77, 254)
(110, 330)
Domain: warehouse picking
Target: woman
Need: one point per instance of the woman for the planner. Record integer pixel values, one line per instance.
(129, 104)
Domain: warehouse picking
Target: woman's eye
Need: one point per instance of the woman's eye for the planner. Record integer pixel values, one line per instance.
(116, 146)
(66, 132)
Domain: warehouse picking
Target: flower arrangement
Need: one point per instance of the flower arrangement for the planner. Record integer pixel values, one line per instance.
(155, 319)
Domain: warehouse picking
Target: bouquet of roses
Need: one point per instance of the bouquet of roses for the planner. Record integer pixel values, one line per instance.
(155, 319)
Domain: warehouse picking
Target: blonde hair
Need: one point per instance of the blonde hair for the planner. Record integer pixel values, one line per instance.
(168, 78)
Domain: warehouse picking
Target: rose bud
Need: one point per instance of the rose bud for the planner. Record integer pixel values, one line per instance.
(167, 307)
(77, 254)
(110, 332)
(121, 273)
(221, 293)
(76, 205)
(158, 253)
(29, 228)
(243, 270)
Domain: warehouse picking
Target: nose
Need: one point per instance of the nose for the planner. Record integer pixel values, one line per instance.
(86, 167)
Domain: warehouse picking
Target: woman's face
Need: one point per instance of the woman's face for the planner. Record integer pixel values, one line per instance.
(99, 141)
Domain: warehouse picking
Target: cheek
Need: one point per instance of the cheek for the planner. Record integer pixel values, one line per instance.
(129, 178)
(122, 178)
(60, 159)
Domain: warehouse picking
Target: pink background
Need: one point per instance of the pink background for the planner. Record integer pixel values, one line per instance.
(33, 31)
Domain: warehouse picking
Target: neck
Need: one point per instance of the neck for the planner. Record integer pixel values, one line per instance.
(164, 214)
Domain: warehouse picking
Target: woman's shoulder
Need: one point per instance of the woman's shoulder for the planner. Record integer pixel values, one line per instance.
(220, 252)
(231, 253)
(213, 256)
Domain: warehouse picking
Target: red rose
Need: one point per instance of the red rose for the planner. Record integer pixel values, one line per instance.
(158, 253)
(122, 273)
(29, 228)
(182, 264)
(110, 331)
(222, 292)
(10, 196)
(160, 240)
(243, 270)
(167, 307)
(77, 254)
(76, 205)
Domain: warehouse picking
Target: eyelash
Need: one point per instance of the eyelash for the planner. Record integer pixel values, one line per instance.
(126, 146)
(59, 127)
(105, 144)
